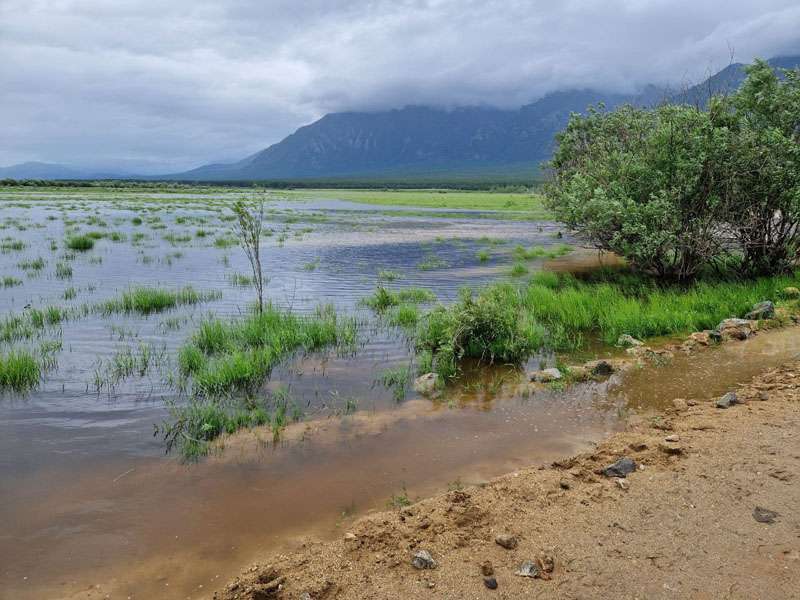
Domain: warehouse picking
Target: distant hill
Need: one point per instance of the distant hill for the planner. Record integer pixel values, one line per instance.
(421, 142)
(40, 170)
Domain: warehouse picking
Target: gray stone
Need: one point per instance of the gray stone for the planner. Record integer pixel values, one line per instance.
(490, 582)
(764, 515)
(738, 329)
(623, 467)
(628, 341)
(546, 375)
(761, 310)
(423, 560)
(509, 542)
(727, 400)
(426, 384)
(528, 569)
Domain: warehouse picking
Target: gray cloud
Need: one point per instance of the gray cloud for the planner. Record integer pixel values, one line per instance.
(155, 84)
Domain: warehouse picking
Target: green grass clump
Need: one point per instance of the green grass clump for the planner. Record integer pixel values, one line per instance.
(11, 281)
(483, 255)
(63, 270)
(37, 264)
(240, 279)
(224, 357)
(431, 263)
(404, 315)
(490, 327)
(225, 242)
(519, 269)
(396, 380)
(10, 245)
(80, 243)
(146, 300)
(384, 298)
(199, 423)
(386, 275)
(19, 371)
(555, 251)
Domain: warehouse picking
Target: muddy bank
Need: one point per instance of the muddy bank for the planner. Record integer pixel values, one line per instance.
(710, 511)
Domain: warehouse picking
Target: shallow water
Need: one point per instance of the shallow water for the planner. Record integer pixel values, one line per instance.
(87, 496)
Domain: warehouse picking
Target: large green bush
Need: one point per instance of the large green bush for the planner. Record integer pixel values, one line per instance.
(678, 189)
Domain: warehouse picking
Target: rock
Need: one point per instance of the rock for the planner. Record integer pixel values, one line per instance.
(349, 537)
(671, 448)
(565, 484)
(761, 310)
(639, 351)
(528, 569)
(621, 468)
(672, 438)
(546, 375)
(714, 335)
(763, 396)
(727, 400)
(268, 590)
(490, 582)
(621, 483)
(423, 560)
(547, 563)
(487, 569)
(509, 542)
(790, 292)
(680, 404)
(764, 515)
(736, 329)
(628, 341)
(701, 337)
(426, 384)
(305, 596)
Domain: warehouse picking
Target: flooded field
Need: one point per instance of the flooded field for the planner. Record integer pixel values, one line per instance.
(90, 502)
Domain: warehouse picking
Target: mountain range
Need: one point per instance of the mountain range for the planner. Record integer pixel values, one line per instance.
(422, 142)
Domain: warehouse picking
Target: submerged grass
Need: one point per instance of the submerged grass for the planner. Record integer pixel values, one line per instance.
(80, 243)
(144, 300)
(225, 357)
(384, 298)
(19, 371)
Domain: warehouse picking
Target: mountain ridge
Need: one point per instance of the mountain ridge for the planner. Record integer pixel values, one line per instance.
(421, 141)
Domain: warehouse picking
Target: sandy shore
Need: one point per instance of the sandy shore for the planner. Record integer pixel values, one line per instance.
(711, 511)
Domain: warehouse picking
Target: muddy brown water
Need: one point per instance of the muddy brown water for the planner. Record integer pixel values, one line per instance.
(89, 504)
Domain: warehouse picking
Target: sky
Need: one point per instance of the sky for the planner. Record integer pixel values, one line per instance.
(164, 85)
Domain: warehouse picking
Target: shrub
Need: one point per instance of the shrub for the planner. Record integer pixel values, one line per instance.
(761, 170)
(681, 189)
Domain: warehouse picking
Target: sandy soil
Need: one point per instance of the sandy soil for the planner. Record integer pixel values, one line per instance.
(683, 525)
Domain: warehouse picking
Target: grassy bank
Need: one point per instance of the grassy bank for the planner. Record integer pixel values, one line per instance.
(507, 323)
(440, 199)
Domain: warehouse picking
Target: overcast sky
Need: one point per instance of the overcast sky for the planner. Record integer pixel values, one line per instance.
(176, 83)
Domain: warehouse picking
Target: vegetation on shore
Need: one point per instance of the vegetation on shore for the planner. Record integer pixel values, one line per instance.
(505, 323)
(680, 189)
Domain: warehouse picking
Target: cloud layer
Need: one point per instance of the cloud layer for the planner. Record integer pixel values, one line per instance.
(156, 85)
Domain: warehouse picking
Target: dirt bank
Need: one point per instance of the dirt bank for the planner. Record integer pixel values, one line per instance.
(685, 524)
